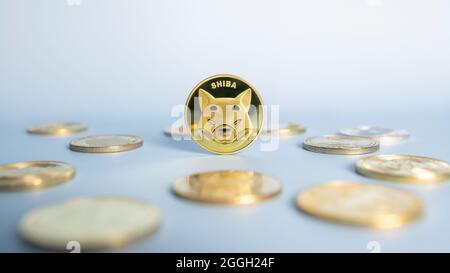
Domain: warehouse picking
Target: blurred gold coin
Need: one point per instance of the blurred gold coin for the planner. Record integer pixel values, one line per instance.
(360, 204)
(95, 223)
(342, 145)
(285, 130)
(34, 174)
(224, 113)
(404, 168)
(227, 187)
(106, 143)
(58, 129)
(382, 135)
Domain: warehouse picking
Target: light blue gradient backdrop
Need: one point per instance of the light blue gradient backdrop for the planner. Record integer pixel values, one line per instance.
(121, 66)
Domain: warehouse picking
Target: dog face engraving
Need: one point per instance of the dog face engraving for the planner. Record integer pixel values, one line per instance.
(225, 120)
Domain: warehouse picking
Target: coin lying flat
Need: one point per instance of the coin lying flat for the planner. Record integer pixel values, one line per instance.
(106, 143)
(224, 113)
(34, 174)
(95, 223)
(177, 131)
(58, 129)
(360, 204)
(404, 168)
(342, 145)
(383, 135)
(285, 130)
(227, 187)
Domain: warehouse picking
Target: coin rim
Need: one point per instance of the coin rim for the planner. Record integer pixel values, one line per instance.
(255, 199)
(63, 177)
(106, 149)
(415, 213)
(31, 238)
(38, 130)
(342, 151)
(188, 122)
(438, 178)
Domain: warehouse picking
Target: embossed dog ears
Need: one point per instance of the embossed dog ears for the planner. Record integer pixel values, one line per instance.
(244, 98)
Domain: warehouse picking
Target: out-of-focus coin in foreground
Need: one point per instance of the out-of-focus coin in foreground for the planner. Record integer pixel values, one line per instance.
(106, 143)
(404, 168)
(383, 135)
(96, 223)
(177, 132)
(284, 130)
(34, 174)
(342, 145)
(58, 129)
(360, 204)
(227, 187)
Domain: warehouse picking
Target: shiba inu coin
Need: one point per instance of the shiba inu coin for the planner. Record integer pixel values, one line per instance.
(360, 204)
(342, 145)
(383, 135)
(58, 129)
(106, 143)
(285, 130)
(34, 175)
(227, 187)
(225, 114)
(95, 223)
(404, 168)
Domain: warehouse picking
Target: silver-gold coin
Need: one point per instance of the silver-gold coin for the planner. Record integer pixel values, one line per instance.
(106, 143)
(94, 223)
(383, 135)
(284, 130)
(34, 175)
(227, 187)
(58, 129)
(404, 168)
(342, 145)
(360, 204)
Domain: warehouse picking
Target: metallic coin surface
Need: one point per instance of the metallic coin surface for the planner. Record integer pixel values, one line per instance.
(285, 130)
(177, 132)
(106, 143)
(343, 145)
(383, 135)
(34, 174)
(404, 168)
(225, 114)
(360, 204)
(227, 187)
(58, 129)
(95, 223)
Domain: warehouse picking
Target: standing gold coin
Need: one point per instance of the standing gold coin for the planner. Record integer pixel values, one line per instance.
(360, 204)
(285, 130)
(95, 223)
(106, 143)
(34, 174)
(342, 145)
(404, 168)
(227, 187)
(225, 114)
(58, 129)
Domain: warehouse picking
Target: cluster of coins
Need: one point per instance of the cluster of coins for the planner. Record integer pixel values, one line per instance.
(107, 222)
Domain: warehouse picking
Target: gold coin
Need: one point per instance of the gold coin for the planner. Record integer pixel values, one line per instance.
(360, 204)
(34, 174)
(225, 114)
(382, 135)
(404, 168)
(342, 145)
(106, 143)
(285, 130)
(227, 187)
(95, 223)
(58, 129)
